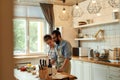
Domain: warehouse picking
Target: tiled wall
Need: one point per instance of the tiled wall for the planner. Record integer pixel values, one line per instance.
(111, 31)
(111, 36)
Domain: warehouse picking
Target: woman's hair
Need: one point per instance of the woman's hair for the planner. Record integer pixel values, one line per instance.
(47, 37)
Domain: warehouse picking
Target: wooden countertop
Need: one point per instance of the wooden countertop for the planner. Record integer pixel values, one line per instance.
(86, 59)
(42, 74)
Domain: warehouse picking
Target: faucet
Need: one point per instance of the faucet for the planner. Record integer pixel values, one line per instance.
(117, 53)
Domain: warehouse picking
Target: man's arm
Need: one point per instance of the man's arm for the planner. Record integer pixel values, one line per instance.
(65, 63)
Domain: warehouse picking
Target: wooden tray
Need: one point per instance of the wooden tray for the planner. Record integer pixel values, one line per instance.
(43, 74)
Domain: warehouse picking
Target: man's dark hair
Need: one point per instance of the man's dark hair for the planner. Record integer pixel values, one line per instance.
(47, 37)
(56, 32)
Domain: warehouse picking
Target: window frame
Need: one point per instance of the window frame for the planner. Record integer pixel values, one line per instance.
(28, 19)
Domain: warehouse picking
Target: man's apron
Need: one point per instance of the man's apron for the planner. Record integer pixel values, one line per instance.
(60, 60)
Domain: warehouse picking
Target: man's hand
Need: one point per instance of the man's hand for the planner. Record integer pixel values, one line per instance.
(60, 69)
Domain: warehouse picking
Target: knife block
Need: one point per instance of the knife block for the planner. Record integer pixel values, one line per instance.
(43, 74)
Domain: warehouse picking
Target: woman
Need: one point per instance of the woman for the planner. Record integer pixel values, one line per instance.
(52, 52)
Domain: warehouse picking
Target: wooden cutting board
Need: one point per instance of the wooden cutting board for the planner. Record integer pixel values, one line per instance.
(43, 74)
(59, 76)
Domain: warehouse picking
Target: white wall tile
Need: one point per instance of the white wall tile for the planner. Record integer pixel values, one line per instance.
(111, 31)
(111, 37)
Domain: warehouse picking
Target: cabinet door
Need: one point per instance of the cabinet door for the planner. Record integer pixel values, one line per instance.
(99, 72)
(87, 71)
(77, 69)
(114, 78)
(114, 73)
(72, 67)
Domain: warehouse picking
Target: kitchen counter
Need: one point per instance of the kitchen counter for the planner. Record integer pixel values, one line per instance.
(42, 74)
(92, 60)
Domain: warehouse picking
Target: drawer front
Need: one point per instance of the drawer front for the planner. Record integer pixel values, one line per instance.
(87, 63)
(99, 65)
(114, 69)
(114, 72)
(114, 78)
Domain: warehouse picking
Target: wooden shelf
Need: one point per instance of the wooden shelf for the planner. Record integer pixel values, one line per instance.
(95, 24)
(87, 39)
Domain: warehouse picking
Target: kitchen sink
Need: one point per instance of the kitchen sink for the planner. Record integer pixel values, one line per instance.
(105, 60)
(114, 60)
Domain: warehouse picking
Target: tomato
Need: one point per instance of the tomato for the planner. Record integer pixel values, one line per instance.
(23, 68)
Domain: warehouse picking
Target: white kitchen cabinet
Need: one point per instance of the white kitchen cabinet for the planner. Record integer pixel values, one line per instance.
(72, 67)
(92, 71)
(77, 69)
(99, 72)
(113, 78)
(86, 71)
(114, 73)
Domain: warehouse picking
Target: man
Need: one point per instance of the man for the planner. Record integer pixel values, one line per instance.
(63, 52)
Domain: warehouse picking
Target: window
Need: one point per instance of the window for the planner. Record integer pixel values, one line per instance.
(29, 29)
(20, 36)
(28, 36)
(36, 36)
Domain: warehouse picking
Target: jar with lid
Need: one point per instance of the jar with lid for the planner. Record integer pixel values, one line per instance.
(90, 54)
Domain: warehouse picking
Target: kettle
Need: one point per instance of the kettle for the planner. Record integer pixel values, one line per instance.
(91, 53)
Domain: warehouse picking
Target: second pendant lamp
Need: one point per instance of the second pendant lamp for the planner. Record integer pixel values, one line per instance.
(63, 15)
